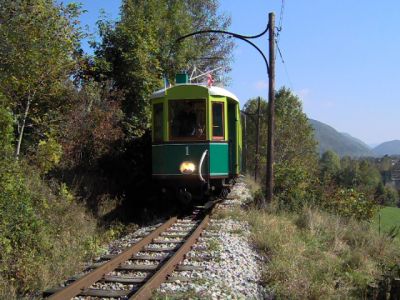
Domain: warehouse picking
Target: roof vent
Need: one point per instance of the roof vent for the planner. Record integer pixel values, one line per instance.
(181, 78)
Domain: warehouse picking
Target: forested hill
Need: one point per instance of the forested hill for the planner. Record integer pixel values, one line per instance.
(342, 143)
(388, 148)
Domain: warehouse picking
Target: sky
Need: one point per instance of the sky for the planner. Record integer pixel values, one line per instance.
(342, 58)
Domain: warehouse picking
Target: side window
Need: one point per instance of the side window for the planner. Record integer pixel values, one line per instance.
(218, 120)
(158, 110)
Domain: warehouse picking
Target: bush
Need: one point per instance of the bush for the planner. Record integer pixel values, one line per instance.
(350, 203)
(44, 235)
(48, 154)
(293, 187)
(390, 196)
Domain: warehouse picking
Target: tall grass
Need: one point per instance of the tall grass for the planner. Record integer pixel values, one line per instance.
(316, 255)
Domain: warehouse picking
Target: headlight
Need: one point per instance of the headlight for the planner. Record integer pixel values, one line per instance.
(187, 167)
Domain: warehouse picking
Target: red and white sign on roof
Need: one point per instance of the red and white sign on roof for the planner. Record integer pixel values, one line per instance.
(210, 80)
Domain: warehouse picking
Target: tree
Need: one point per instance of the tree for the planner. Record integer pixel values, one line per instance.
(139, 49)
(330, 164)
(6, 130)
(92, 127)
(296, 159)
(349, 175)
(251, 110)
(386, 195)
(385, 167)
(369, 176)
(39, 40)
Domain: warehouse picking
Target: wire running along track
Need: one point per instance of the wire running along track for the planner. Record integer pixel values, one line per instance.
(142, 286)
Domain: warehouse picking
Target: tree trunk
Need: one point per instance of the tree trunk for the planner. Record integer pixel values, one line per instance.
(21, 133)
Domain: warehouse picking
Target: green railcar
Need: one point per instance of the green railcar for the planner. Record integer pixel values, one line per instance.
(196, 139)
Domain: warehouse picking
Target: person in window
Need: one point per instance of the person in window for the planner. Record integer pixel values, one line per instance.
(187, 120)
(200, 126)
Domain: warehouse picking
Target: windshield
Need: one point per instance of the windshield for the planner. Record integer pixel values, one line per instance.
(187, 119)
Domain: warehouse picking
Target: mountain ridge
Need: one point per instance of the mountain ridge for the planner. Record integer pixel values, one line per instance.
(388, 148)
(343, 144)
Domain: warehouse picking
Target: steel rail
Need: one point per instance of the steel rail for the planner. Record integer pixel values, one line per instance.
(145, 292)
(86, 281)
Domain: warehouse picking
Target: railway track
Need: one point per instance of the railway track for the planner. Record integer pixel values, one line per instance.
(154, 257)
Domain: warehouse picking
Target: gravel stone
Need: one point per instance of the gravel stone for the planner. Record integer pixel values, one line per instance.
(232, 265)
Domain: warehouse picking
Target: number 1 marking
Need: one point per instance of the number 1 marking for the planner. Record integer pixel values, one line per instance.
(187, 150)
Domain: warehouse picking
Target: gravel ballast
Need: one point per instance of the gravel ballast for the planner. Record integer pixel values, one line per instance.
(232, 267)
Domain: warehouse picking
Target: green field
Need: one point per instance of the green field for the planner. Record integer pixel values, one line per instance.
(390, 216)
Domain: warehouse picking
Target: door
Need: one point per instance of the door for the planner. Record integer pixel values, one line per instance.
(233, 137)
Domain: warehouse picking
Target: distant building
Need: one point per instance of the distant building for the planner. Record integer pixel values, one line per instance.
(396, 174)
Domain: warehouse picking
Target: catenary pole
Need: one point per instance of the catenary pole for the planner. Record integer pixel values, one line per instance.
(271, 94)
(244, 160)
(271, 109)
(257, 160)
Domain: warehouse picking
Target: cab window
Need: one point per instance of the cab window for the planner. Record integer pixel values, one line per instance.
(187, 119)
(158, 127)
(218, 120)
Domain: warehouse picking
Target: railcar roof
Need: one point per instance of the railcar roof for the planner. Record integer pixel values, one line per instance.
(212, 90)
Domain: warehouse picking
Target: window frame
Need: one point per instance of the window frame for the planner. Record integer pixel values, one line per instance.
(217, 137)
(192, 138)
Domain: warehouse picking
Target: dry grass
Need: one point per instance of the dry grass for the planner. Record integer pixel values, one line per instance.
(235, 213)
(316, 255)
(251, 184)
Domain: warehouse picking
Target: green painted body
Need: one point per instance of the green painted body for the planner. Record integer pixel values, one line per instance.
(168, 157)
(224, 155)
(219, 159)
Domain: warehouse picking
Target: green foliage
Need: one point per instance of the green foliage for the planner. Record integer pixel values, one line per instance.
(48, 154)
(362, 173)
(65, 193)
(6, 130)
(77, 132)
(329, 164)
(37, 52)
(20, 225)
(44, 236)
(351, 203)
(92, 127)
(138, 50)
(387, 195)
(349, 173)
(369, 176)
(391, 196)
(384, 166)
(295, 156)
(354, 187)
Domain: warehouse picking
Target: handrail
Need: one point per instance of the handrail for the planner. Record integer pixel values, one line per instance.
(201, 165)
